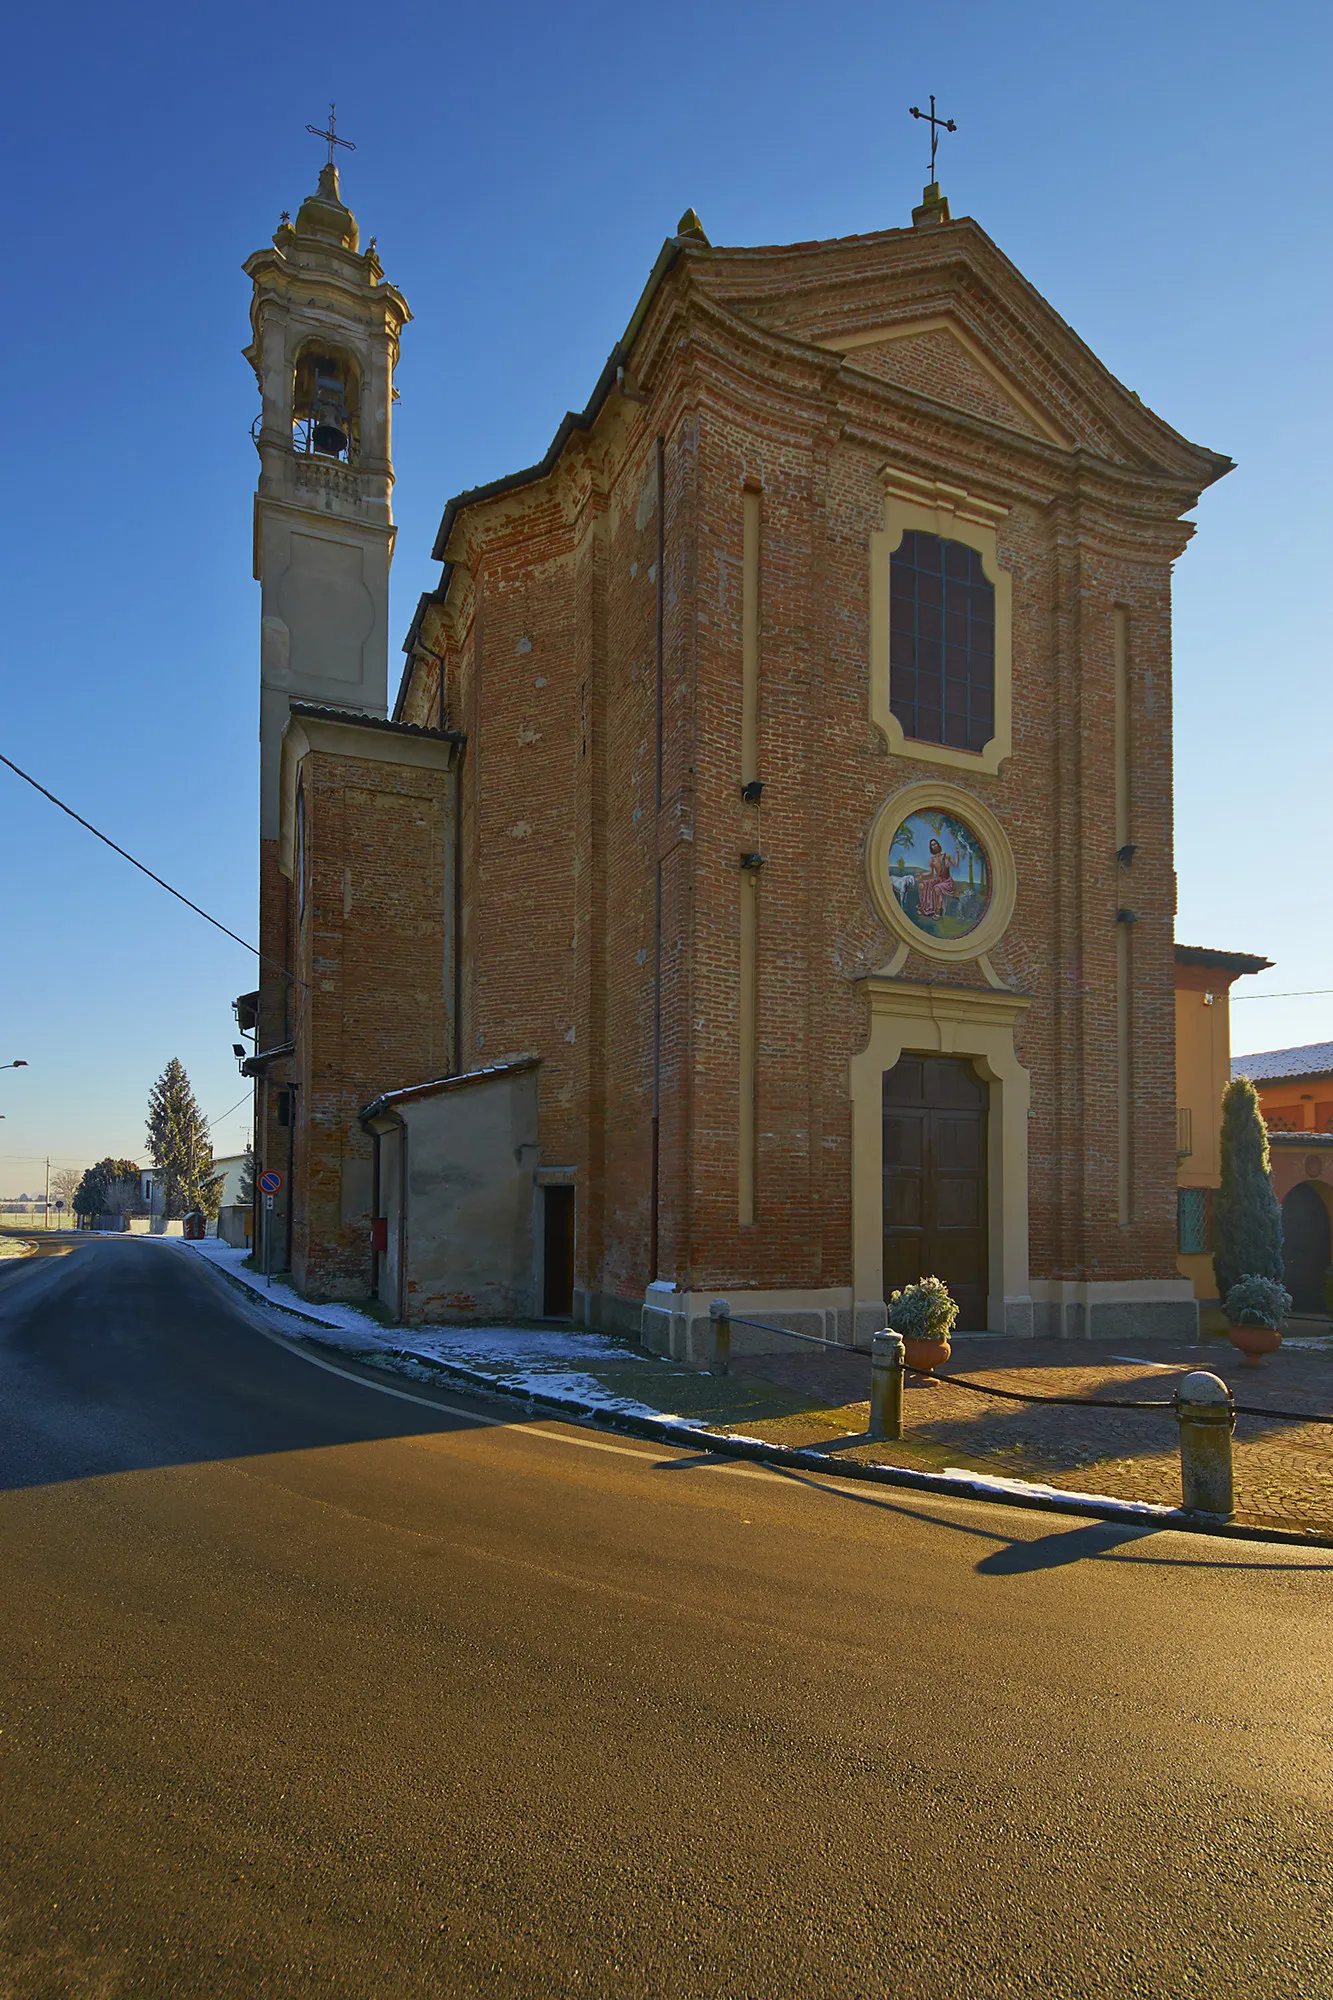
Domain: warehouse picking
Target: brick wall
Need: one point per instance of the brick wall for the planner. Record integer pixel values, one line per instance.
(549, 648)
(373, 1011)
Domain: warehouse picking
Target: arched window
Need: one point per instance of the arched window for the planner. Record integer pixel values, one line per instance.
(941, 642)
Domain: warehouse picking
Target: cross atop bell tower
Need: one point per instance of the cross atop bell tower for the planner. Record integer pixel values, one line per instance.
(332, 134)
(325, 331)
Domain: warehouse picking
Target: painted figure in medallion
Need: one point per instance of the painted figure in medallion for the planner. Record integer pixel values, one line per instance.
(939, 873)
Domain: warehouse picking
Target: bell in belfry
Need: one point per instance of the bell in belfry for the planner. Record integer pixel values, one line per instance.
(329, 411)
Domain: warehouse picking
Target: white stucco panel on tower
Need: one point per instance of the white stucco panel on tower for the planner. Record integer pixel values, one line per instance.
(328, 609)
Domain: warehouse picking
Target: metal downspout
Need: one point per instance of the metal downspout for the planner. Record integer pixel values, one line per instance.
(402, 1220)
(292, 1090)
(460, 751)
(656, 1168)
(374, 1211)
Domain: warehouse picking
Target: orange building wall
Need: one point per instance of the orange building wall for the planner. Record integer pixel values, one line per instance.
(1203, 1070)
(1303, 1105)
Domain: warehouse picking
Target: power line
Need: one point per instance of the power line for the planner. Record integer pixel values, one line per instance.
(108, 842)
(247, 1099)
(1305, 993)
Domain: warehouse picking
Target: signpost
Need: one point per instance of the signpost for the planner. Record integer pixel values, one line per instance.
(269, 1184)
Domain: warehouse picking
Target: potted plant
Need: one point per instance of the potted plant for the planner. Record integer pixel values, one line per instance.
(1256, 1309)
(924, 1315)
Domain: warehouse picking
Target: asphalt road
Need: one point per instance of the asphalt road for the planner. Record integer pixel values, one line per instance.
(313, 1689)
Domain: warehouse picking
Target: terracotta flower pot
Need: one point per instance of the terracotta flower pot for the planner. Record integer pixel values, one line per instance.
(925, 1355)
(1254, 1342)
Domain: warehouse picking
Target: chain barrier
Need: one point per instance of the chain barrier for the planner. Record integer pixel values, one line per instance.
(1117, 1403)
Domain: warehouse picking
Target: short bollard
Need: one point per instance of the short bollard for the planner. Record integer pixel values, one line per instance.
(888, 1365)
(720, 1314)
(1207, 1416)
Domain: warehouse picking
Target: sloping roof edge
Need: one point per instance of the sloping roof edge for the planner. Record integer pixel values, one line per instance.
(573, 420)
(387, 1099)
(389, 722)
(1221, 961)
(1308, 1060)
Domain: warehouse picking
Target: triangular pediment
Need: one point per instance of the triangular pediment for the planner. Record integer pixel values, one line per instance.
(941, 312)
(935, 357)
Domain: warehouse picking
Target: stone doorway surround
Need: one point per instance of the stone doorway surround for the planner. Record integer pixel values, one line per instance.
(979, 1023)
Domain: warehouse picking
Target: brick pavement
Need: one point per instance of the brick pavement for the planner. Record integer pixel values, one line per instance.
(1284, 1471)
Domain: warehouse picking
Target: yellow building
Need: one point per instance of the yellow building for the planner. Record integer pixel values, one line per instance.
(1203, 1071)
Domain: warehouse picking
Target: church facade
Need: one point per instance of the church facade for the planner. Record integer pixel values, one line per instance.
(761, 882)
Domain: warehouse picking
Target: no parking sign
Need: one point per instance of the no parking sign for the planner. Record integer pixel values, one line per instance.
(270, 1182)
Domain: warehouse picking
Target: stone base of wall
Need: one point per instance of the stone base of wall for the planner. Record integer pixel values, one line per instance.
(678, 1324)
(604, 1312)
(1150, 1309)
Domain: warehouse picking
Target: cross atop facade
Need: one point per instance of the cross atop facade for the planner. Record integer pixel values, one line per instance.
(332, 134)
(937, 125)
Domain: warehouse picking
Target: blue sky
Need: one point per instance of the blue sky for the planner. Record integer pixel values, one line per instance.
(1159, 171)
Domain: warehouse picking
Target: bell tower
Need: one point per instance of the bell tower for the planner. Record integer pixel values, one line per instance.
(326, 329)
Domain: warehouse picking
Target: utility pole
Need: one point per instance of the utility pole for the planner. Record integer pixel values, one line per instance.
(48, 1190)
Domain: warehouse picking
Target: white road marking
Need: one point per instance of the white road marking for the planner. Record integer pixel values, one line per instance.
(645, 1456)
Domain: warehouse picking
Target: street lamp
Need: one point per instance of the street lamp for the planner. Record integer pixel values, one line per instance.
(22, 1063)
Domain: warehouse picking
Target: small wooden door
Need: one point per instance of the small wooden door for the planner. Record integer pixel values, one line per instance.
(557, 1252)
(935, 1206)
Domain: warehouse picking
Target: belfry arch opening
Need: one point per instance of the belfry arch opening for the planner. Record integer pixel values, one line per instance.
(326, 404)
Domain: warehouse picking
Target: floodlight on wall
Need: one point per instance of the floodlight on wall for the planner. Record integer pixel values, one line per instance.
(753, 791)
(1124, 855)
(752, 861)
(1126, 916)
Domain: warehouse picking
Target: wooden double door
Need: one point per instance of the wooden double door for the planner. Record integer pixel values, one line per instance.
(935, 1177)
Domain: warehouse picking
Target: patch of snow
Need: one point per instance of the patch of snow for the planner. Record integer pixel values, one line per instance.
(337, 1318)
(487, 1346)
(530, 1361)
(994, 1482)
(523, 1361)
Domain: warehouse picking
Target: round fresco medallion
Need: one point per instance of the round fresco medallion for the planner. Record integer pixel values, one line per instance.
(939, 874)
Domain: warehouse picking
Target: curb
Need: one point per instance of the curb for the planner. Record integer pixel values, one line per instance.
(795, 1459)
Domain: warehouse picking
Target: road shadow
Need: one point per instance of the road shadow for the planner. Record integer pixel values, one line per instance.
(131, 1360)
(1067, 1545)
(1091, 1541)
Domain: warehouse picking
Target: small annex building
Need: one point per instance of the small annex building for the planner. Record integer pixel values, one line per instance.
(761, 881)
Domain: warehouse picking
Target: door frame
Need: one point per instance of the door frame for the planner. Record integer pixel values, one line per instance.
(953, 1021)
(936, 1259)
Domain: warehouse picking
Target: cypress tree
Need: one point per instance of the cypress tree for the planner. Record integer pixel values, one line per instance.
(1247, 1216)
(181, 1148)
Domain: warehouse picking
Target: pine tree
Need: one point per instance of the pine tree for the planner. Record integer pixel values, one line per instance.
(180, 1145)
(249, 1175)
(1247, 1216)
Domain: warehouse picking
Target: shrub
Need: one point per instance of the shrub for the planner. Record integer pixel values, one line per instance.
(1247, 1216)
(923, 1311)
(1257, 1302)
(90, 1196)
